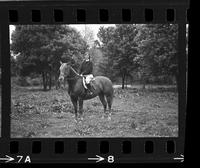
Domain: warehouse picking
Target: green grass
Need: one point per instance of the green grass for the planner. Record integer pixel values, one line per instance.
(135, 113)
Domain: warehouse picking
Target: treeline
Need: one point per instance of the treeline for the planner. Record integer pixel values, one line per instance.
(128, 52)
(147, 52)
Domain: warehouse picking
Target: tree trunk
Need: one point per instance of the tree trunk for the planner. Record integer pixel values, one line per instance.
(57, 84)
(45, 83)
(44, 78)
(123, 81)
(144, 82)
(126, 82)
(50, 81)
(143, 86)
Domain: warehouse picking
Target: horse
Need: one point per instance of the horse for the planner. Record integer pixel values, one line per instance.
(102, 85)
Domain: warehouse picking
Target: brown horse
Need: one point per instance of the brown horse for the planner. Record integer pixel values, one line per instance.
(77, 92)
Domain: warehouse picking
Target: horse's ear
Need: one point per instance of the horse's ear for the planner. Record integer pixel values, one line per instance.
(60, 62)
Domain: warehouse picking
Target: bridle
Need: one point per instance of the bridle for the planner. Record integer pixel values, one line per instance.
(72, 78)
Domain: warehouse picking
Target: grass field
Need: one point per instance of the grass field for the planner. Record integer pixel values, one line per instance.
(135, 113)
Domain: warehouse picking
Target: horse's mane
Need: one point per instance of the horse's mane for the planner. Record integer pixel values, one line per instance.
(71, 67)
(62, 65)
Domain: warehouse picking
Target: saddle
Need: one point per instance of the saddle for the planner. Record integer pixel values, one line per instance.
(85, 84)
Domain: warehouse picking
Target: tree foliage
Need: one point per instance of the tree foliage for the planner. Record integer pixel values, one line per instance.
(120, 49)
(158, 48)
(150, 50)
(42, 47)
(123, 51)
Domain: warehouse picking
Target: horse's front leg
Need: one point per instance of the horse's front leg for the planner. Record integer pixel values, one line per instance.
(80, 101)
(74, 102)
(103, 101)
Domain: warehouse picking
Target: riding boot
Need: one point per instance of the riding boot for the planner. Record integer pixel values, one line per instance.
(89, 89)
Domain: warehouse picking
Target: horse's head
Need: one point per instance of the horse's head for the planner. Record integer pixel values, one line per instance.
(64, 71)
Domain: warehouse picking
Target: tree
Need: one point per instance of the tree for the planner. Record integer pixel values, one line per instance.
(41, 48)
(158, 50)
(88, 36)
(106, 64)
(120, 48)
(96, 57)
(149, 49)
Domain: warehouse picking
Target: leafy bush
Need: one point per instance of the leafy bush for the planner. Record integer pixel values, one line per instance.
(21, 81)
(35, 81)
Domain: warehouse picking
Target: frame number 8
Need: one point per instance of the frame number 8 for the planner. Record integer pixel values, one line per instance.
(111, 159)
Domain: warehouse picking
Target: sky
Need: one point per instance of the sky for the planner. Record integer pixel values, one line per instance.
(80, 27)
(93, 27)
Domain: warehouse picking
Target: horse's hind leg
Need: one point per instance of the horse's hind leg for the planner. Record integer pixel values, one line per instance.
(103, 101)
(109, 101)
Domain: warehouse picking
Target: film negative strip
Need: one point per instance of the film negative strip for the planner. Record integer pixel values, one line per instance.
(128, 59)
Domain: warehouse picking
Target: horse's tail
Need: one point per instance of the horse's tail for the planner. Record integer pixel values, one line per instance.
(109, 94)
(106, 88)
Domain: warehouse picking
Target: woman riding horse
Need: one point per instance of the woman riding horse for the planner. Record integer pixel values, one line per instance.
(86, 70)
(77, 93)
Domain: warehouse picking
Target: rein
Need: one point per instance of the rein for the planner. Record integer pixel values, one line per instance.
(77, 75)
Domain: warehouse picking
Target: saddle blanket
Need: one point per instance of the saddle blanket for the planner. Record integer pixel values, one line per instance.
(87, 79)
